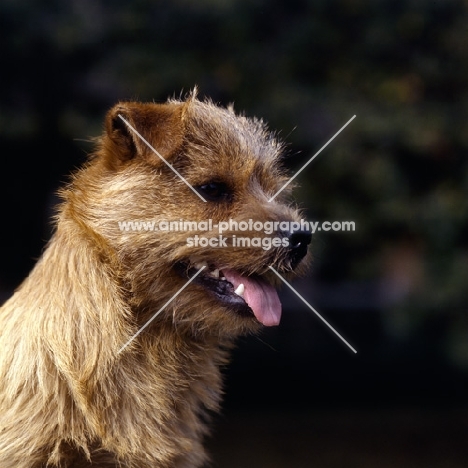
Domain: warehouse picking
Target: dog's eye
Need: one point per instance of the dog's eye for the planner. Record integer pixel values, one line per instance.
(215, 191)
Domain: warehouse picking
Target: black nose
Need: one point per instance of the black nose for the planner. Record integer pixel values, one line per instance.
(298, 242)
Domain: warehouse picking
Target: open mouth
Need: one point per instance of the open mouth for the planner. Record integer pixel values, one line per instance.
(246, 295)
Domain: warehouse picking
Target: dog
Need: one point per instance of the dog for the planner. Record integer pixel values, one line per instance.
(111, 349)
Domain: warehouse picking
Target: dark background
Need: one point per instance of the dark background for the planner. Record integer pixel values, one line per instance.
(396, 288)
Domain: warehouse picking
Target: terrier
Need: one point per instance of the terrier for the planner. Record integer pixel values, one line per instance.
(110, 351)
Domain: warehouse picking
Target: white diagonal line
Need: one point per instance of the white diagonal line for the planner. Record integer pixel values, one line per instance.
(311, 308)
(312, 158)
(158, 154)
(161, 309)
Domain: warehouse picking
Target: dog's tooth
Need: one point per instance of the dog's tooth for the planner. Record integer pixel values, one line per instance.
(223, 278)
(200, 265)
(215, 273)
(240, 290)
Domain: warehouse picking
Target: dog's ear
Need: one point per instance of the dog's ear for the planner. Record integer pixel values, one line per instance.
(133, 129)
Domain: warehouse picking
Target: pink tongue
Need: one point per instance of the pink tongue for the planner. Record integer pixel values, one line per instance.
(261, 297)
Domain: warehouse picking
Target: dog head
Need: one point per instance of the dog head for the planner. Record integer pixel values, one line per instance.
(182, 190)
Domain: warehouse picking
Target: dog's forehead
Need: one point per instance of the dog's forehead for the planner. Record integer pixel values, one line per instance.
(221, 129)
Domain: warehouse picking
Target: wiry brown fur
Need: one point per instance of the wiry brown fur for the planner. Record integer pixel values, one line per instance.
(67, 396)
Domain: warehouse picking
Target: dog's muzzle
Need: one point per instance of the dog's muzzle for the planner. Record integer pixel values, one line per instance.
(298, 243)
